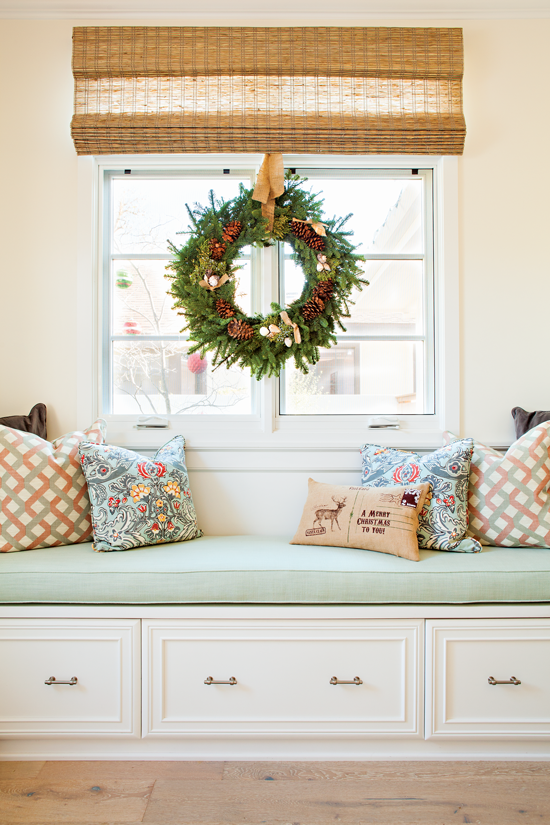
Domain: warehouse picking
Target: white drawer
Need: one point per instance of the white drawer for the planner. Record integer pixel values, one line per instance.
(102, 655)
(283, 677)
(461, 658)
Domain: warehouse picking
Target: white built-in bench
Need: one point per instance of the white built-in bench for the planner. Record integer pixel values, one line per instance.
(412, 647)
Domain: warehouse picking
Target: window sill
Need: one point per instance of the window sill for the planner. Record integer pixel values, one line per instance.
(247, 437)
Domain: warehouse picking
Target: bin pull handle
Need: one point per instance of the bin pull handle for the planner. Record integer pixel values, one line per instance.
(355, 681)
(211, 681)
(511, 681)
(53, 681)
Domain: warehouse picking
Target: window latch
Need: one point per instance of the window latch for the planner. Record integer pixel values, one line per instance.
(384, 422)
(153, 422)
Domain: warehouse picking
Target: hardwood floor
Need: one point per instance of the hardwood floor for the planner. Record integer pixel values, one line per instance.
(274, 793)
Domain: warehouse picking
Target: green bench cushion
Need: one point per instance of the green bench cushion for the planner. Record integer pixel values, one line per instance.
(261, 570)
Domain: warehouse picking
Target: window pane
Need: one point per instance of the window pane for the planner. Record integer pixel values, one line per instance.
(158, 377)
(145, 377)
(140, 300)
(387, 212)
(391, 305)
(361, 378)
(243, 281)
(147, 212)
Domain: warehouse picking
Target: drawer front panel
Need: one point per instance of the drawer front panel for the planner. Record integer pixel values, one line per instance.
(465, 656)
(103, 658)
(283, 679)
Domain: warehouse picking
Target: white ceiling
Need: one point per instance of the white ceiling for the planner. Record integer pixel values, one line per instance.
(288, 9)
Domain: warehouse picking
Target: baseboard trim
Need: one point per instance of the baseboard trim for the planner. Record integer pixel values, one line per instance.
(228, 749)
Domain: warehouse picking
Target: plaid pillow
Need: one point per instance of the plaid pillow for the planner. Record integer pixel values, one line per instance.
(509, 495)
(43, 495)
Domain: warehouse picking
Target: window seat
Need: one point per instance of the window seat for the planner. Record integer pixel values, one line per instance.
(264, 570)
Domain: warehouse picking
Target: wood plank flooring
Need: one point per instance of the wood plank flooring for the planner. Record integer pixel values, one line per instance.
(274, 793)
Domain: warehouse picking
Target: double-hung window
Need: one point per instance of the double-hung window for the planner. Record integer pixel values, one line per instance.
(387, 364)
(374, 118)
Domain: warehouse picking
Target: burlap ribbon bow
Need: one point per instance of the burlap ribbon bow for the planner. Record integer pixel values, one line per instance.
(273, 330)
(270, 185)
(296, 329)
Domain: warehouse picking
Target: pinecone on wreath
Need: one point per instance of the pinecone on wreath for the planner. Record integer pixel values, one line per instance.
(217, 249)
(309, 236)
(224, 309)
(316, 242)
(324, 290)
(240, 330)
(232, 231)
(300, 229)
(312, 308)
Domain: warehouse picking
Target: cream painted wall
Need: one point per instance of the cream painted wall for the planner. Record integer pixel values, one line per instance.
(504, 184)
(504, 215)
(38, 313)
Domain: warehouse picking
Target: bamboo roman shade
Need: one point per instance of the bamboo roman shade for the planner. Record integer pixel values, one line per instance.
(304, 90)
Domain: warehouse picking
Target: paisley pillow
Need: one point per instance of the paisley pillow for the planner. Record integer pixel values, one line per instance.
(138, 500)
(443, 522)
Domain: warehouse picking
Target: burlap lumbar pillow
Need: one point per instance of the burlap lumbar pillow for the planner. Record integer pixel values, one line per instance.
(384, 519)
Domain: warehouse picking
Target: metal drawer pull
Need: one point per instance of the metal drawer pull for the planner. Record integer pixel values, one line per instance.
(511, 681)
(211, 681)
(355, 681)
(53, 681)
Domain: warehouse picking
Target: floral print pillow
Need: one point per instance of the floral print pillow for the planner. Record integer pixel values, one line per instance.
(138, 500)
(443, 521)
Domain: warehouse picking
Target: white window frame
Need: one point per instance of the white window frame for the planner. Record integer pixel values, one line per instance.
(266, 429)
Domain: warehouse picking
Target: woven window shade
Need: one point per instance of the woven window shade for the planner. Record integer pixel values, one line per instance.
(303, 90)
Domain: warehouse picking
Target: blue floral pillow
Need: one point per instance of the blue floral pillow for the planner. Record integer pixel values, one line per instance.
(138, 500)
(443, 521)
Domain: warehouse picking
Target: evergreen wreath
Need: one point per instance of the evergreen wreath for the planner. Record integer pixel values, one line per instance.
(204, 280)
